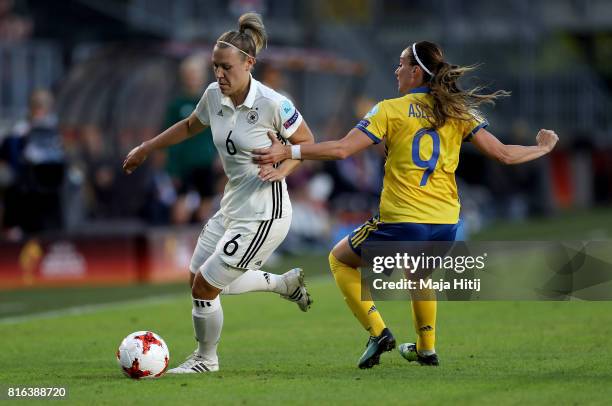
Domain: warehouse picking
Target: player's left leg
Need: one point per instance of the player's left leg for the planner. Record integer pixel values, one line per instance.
(343, 262)
(409, 351)
(424, 310)
(424, 318)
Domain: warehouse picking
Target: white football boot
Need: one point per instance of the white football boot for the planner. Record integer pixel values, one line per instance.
(194, 364)
(296, 289)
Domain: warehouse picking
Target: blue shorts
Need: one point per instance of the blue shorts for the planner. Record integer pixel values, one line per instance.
(375, 230)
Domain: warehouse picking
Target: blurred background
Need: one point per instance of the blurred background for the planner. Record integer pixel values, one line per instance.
(84, 81)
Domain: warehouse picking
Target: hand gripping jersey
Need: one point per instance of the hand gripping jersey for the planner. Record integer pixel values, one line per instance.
(237, 130)
(419, 184)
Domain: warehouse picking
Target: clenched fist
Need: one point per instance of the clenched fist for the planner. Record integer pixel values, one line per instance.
(547, 139)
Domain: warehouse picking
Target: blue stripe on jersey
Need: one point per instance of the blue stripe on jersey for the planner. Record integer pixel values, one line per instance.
(475, 130)
(369, 134)
(422, 89)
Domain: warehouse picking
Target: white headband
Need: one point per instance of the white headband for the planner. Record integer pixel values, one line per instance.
(235, 47)
(419, 61)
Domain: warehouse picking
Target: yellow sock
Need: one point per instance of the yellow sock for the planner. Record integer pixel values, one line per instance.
(348, 280)
(424, 317)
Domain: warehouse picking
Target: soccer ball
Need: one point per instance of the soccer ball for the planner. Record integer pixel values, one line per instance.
(143, 354)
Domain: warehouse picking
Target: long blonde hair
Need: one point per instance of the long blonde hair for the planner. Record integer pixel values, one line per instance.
(251, 36)
(450, 101)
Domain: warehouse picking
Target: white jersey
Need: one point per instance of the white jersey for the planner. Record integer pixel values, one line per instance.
(236, 132)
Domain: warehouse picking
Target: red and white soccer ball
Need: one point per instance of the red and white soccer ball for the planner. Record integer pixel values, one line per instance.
(143, 354)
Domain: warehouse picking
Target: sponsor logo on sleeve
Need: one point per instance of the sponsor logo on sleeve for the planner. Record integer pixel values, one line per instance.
(363, 123)
(372, 111)
(291, 120)
(286, 110)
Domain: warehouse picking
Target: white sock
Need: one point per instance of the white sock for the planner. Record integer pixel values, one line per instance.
(256, 281)
(207, 325)
(425, 353)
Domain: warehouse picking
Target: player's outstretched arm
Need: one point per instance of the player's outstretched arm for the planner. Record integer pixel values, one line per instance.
(352, 143)
(489, 145)
(175, 134)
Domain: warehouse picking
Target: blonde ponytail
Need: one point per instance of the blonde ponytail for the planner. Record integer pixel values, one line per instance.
(251, 24)
(250, 38)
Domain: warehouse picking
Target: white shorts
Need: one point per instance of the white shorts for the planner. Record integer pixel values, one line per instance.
(240, 244)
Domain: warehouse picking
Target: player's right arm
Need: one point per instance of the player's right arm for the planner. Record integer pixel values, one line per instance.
(177, 133)
(492, 147)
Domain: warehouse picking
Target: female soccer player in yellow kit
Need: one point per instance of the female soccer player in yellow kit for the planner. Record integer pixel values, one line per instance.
(423, 131)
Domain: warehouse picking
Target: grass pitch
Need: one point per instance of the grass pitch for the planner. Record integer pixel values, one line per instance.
(270, 352)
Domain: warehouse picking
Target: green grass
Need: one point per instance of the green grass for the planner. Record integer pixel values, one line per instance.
(573, 225)
(22, 302)
(503, 352)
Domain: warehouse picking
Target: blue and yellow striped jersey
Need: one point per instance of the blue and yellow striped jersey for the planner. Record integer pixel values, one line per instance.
(419, 184)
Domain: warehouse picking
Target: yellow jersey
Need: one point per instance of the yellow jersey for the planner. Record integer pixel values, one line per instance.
(419, 183)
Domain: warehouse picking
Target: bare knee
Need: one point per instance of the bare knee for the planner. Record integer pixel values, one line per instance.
(201, 289)
(345, 254)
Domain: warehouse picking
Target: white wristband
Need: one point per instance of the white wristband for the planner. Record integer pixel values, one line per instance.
(296, 152)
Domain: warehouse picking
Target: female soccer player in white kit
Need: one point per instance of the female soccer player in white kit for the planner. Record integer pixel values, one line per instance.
(255, 216)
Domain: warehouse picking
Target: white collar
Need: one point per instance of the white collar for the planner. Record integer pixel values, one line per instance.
(249, 100)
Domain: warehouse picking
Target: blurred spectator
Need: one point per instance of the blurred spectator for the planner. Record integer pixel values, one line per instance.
(517, 190)
(239, 7)
(310, 189)
(161, 195)
(100, 173)
(310, 224)
(191, 163)
(358, 179)
(582, 171)
(602, 168)
(35, 159)
(109, 194)
(274, 78)
(13, 27)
